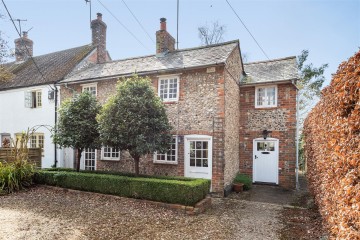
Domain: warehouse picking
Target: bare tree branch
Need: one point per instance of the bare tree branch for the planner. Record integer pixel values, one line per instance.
(212, 34)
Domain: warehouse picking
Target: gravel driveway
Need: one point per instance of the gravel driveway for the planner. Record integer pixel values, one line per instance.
(44, 213)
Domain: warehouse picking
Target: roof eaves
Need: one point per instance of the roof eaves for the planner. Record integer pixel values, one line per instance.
(292, 80)
(162, 71)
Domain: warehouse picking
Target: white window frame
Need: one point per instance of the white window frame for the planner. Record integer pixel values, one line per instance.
(33, 98)
(83, 160)
(87, 86)
(166, 155)
(265, 104)
(109, 158)
(37, 136)
(168, 77)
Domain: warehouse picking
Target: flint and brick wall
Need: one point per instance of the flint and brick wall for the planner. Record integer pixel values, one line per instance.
(232, 116)
(281, 120)
(200, 110)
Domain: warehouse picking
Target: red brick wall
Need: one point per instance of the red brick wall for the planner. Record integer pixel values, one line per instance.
(283, 127)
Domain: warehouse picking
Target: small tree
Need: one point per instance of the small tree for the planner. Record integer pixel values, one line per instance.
(309, 84)
(135, 120)
(211, 34)
(77, 126)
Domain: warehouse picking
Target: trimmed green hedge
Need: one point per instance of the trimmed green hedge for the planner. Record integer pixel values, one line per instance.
(125, 174)
(184, 191)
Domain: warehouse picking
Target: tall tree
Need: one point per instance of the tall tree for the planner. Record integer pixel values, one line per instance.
(211, 34)
(77, 126)
(309, 84)
(134, 119)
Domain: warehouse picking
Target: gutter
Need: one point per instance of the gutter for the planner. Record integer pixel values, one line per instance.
(297, 141)
(293, 81)
(89, 80)
(55, 126)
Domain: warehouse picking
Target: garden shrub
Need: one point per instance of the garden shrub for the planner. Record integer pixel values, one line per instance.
(332, 150)
(15, 176)
(181, 191)
(245, 179)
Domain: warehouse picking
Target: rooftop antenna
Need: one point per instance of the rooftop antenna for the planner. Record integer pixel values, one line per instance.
(89, 1)
(29, 29)
(19, 22)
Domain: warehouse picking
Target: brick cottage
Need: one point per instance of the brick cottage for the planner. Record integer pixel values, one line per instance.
(219, 108)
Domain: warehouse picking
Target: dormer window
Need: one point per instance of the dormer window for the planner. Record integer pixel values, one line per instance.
(266, 96)
(168, 88)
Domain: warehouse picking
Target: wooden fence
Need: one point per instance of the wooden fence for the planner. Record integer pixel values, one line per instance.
(34, 155)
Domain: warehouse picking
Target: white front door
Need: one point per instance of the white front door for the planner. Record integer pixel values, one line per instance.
(266, 160)
(88, 159)
(198, 156)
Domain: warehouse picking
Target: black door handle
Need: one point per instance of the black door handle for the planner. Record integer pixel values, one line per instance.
(256, 157)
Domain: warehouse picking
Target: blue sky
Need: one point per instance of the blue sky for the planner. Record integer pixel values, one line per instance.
(329, 29)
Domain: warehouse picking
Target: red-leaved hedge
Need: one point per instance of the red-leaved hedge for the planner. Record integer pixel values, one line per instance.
(332, 150)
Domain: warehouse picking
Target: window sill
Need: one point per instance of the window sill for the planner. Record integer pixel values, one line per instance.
(170, 102)
(110, 160)
(265, 107)
(165, 162)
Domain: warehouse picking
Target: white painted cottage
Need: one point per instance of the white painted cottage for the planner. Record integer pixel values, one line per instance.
(28, 99)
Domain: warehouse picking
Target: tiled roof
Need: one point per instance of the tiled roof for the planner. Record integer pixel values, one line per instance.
(54, 67)
(271, 71)
(184, 58)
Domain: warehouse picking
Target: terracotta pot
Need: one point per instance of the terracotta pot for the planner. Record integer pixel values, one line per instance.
(238, 187)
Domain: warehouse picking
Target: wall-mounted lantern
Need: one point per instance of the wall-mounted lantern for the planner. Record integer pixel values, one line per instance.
(265, 133)
(180, 138)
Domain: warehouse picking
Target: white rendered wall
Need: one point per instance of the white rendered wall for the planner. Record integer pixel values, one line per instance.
(15, 117)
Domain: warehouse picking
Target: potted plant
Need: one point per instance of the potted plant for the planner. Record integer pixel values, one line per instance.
(241, 182)
(238, 187)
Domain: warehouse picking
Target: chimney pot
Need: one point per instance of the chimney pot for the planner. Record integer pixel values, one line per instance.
(163, 24)
(99, 16)
(25, 34)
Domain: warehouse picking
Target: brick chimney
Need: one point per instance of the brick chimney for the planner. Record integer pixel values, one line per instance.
(23, 48)
(99, 38)
(164, 41)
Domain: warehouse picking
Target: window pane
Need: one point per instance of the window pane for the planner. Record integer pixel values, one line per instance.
(205, 163)
(38, 99)
(198, 153)
(260, 96)
(41, 141)
(271, 96)
(266, 146)
(198, 162)
(33, 141)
